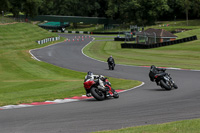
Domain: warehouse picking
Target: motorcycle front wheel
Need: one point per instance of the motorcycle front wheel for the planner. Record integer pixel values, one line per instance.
(164, 85)
(175, 86)
(97, 94)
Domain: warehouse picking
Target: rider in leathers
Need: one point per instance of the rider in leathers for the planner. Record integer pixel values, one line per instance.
(111, 60)
(154, 71)
(91, 77)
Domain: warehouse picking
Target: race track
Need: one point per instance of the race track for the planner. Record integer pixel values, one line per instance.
(148, 104)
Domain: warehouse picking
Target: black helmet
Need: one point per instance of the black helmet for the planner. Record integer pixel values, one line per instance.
(152, 66)
(89, 73)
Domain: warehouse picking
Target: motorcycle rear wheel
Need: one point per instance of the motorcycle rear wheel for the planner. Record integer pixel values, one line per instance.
(97, 94)
(164, 85)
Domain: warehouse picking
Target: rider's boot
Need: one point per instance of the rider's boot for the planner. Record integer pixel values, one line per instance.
(88, 94)
(157, 82)
(108, 94)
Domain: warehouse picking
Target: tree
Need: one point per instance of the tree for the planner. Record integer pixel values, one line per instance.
(128, 11)
(5, 5)
(103, 7)
(15, 7)
(114, 8)
(30, 7)
(185, 5)
(149, 10)
(196, 7)
(46, 7)
(142, 12)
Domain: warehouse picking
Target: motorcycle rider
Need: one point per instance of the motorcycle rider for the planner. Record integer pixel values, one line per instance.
(111, 61)
(155, 71)
(91, 77)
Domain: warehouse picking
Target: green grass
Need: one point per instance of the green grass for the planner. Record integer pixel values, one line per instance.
(25, 80)
(184, 55)
(189, 33)
(185, 126)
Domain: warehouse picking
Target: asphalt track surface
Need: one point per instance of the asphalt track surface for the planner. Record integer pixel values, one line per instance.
(148, 104)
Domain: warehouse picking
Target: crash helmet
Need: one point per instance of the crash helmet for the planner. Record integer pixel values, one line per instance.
(89, 73)
(153, 67)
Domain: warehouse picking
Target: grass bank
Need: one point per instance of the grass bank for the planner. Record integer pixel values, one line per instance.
(24, 80)
(173, 25)
(185, 126)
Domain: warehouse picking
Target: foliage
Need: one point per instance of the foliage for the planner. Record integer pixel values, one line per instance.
(28, 7)
(150, 10)
(140, 12)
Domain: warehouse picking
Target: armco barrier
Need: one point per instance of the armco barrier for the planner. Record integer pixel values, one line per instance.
(155, 45)
(48, 40)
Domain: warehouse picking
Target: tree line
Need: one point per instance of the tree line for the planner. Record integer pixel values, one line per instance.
(141, 12)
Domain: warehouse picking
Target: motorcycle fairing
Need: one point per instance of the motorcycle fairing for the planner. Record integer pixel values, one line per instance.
(88, 84)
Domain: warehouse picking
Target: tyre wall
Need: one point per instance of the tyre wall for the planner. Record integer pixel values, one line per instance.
(156, 45)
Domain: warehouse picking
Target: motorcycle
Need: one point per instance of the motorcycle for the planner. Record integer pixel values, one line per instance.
(111, 65)
(97, 92)
(162, 79)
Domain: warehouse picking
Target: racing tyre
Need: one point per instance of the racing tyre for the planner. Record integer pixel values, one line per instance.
(109, 66)
(164, 85)
(112, 68)
(97, 94)
(175, 86)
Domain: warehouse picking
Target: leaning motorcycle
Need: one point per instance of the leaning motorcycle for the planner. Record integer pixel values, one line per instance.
(97, 92)
(163, 79)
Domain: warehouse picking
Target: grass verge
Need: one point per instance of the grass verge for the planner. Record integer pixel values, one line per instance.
(185, 126)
